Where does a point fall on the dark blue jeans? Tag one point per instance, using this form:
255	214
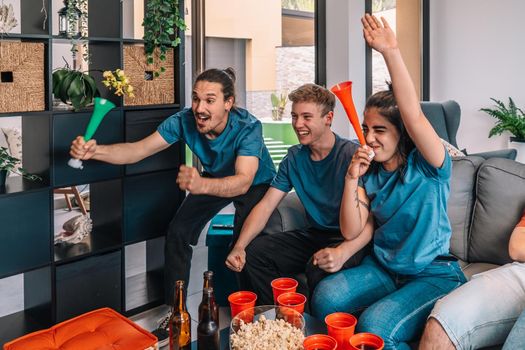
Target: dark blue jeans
393	306
187	224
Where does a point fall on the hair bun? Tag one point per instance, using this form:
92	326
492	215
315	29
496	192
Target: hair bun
231	73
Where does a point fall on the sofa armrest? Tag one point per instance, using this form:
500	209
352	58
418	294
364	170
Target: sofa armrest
508	153
288	216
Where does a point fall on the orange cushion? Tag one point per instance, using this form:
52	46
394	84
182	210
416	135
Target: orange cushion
99	329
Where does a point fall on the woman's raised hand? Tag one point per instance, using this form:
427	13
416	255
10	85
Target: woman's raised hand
360	162
378	34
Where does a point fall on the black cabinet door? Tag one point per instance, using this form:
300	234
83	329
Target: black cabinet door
24	231
88	284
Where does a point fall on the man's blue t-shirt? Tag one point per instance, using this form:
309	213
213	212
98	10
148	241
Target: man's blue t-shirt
412	226
242	136
319	184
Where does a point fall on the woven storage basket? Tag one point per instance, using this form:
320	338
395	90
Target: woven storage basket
159	90
24	63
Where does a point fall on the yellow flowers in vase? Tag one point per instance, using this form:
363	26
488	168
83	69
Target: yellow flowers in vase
118	81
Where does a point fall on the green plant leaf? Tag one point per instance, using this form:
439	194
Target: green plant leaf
64	86
509	118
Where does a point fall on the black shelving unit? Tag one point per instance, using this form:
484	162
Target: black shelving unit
130	205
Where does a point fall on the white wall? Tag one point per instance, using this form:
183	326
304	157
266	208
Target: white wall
477	51
345	57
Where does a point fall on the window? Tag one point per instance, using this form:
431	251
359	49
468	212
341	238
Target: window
271	46
405	18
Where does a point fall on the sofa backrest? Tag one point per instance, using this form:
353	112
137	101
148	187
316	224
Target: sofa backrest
461	202
444	117
500	200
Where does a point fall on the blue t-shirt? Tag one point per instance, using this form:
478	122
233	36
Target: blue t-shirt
319	184
242	136
412	226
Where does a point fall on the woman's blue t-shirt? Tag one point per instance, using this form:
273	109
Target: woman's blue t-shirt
412	226
242	136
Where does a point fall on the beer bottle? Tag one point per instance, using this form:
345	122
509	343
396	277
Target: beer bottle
180	322
208	283
208	328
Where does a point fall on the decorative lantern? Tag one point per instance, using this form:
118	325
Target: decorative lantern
69	19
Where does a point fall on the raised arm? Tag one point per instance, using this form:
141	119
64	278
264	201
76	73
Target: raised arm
354	212
246	167
119	153
254	224
517	241
380	37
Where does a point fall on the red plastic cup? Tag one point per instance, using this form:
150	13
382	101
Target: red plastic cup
283	285
292	300
319	342
366	341
240	301
341	326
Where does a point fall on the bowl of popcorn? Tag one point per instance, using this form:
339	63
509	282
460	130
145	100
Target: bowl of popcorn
267	327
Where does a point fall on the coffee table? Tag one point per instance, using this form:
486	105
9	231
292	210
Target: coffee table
313	326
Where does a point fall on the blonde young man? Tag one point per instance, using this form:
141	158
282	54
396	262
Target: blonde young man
316	169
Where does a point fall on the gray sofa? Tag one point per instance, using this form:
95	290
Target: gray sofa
486	200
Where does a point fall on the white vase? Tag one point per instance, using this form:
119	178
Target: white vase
518	145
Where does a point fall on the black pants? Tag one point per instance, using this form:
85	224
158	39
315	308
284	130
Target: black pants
287	254
187	224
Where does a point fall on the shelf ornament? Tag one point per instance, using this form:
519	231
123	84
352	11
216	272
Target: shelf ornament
7	18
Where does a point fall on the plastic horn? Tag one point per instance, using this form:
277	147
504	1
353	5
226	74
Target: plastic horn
343	91
102	107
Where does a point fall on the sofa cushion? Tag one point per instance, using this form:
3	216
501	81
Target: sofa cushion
461	201
470	269
99	329
289	215
500	199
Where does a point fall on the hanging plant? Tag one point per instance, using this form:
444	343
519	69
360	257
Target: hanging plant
163	26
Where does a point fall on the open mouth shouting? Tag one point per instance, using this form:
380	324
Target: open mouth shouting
201	119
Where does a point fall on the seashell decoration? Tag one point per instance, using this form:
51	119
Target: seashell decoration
7	18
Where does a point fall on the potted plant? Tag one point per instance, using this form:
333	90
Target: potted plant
79	88
162	25
512	119
74	87
278	105
10	164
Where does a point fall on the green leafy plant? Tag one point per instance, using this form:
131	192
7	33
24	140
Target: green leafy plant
11	164
509	118
75	87
162	26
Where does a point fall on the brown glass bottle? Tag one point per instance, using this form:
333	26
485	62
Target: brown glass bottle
180	322
208	328
208	283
